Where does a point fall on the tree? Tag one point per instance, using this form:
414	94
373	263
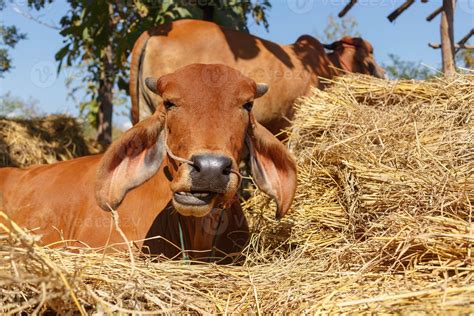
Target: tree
447	38
11	106
233	13
465	57
402	69
101	34
9	37
338	28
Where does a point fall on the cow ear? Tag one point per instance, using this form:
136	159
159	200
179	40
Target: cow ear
346	40
273	167
131	160
332	46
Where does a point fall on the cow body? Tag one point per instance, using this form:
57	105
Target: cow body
57	202
172	178
290	70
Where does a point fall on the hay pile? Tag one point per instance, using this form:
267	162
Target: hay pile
24	142
382	222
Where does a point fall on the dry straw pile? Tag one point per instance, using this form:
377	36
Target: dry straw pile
382	222
25	142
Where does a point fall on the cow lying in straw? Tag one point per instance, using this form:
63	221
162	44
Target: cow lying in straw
173	175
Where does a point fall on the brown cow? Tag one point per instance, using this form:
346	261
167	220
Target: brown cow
174	171
291	70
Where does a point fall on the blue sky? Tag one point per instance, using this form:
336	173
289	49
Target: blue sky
34	73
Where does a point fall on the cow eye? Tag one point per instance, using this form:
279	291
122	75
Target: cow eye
168	104
248	106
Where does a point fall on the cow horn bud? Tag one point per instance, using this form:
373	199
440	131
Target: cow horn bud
152	84
262	88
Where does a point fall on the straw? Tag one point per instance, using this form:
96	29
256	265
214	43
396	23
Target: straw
382	222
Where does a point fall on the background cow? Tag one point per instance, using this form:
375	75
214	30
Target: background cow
174	171
291	70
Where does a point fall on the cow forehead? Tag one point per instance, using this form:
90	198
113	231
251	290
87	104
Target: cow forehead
207	83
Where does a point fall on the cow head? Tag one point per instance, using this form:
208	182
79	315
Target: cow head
197	136
354	54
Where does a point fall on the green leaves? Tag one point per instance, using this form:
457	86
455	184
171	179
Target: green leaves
59	56
18	107
9	37
338	28
99	36
402	69
89	110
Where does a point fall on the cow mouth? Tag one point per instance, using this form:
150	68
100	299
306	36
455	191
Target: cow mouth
193	198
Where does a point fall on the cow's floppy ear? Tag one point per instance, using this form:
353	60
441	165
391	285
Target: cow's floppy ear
352	41
346	40
332	46
131	160
273	167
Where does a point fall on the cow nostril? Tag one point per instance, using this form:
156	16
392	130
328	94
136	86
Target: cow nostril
196	167
226	171
198	163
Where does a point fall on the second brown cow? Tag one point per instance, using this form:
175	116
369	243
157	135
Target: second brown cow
290	70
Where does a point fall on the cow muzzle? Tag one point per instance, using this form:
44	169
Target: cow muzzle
211	181
376	71
210	173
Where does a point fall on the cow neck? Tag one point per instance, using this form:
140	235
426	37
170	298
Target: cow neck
181	241
338	62
192	224
222	207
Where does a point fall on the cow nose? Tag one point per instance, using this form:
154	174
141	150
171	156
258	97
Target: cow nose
211	165
210	172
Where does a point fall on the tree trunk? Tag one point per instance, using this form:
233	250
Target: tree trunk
208	11
106	85
105	97
447	38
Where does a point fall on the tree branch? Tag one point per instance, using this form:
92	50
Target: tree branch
347	8
434	14
464	40
33	18
394	15
460	45
457	46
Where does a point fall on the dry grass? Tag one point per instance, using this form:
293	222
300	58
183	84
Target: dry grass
24	142
382	222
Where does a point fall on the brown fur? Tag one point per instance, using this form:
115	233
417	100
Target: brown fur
290	70
138	178
354	54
